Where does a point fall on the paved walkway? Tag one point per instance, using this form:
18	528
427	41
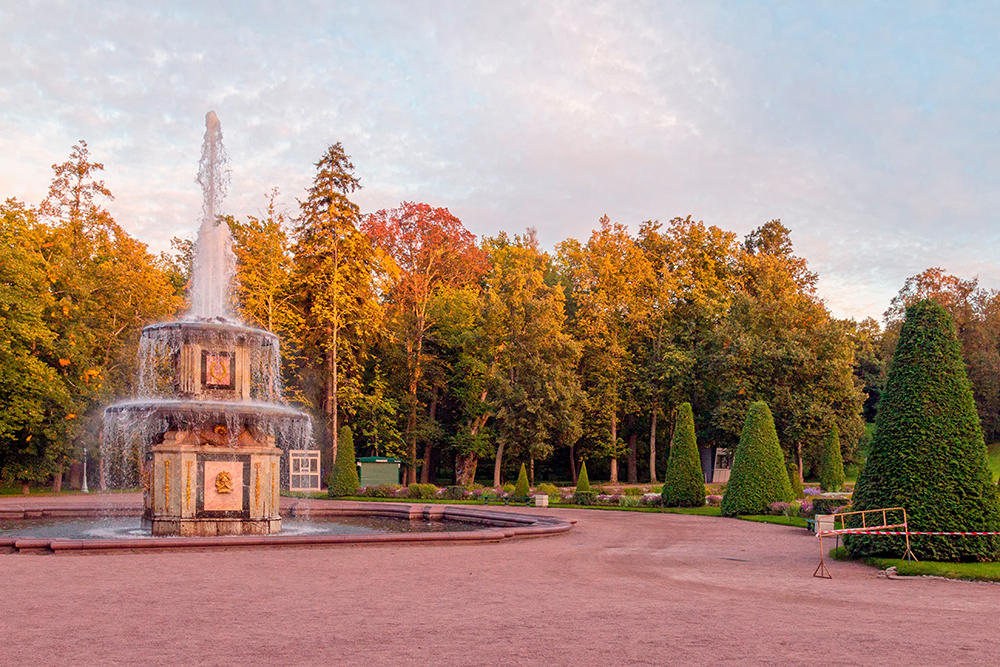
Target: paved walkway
619	589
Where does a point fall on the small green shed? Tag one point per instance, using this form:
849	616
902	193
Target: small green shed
375	470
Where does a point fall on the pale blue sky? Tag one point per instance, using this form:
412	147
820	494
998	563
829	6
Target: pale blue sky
870	129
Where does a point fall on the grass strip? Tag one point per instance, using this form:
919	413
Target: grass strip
904	568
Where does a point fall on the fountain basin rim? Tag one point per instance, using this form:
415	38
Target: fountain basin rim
228	326
498	526
175	407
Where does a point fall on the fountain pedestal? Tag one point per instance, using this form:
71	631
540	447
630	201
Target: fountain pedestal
205	489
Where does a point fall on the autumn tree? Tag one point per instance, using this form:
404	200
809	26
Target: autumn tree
264	269
334	284
535	393
430	249
607	276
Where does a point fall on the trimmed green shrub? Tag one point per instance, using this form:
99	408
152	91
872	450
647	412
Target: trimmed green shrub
550	490
344	480
758	477
585	498
927	454
454	493
831	472
683	481
522	488
508	488
633	491
793	477
583	482
422	491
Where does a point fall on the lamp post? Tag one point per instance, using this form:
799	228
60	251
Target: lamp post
84	486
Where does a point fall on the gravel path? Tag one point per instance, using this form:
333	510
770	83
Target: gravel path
619	589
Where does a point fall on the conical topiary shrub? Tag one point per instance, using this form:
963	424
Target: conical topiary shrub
344	480
928	454
758	477
796	481
684	482
583	482
522	488
583	495
831	476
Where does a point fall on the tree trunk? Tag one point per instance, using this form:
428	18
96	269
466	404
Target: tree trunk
633	473
103	475
572	464
531	470
25	489
57	482
652	449
465	469
496	465
425	471
798	451
614	443
330	398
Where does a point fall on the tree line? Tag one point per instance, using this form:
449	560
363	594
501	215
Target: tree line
462	356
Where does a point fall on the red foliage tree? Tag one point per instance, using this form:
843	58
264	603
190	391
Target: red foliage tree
430	248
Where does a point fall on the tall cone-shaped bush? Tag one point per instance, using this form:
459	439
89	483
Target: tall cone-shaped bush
759	476
344	480
928	454
583	482
522	488
831	476
793	477
683	482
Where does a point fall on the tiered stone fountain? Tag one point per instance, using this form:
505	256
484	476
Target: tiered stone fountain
204	433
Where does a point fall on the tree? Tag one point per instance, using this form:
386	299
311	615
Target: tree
430	248
831	477
344	480
607	277
758	477
34	395
264	269
683	481
334	281
778	343
928	454
534	391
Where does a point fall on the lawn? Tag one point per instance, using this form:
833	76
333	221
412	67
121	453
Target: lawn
968	571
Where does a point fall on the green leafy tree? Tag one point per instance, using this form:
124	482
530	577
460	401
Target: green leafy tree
759	476
683	481
831	477
535	393
344	480
778	344
928	454
522	488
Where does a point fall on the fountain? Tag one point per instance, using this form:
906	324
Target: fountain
206	433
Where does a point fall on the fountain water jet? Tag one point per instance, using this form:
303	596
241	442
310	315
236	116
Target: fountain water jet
206	431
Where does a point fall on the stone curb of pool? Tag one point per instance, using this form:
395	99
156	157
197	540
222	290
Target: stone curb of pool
500	526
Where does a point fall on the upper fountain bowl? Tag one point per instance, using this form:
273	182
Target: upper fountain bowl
212	359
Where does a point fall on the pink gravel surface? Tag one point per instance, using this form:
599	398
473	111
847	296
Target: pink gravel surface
619	589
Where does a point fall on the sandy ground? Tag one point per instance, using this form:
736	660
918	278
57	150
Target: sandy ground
619	589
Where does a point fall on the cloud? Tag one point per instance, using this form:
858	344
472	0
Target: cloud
871	131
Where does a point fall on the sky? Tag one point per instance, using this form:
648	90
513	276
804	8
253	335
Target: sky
869	129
